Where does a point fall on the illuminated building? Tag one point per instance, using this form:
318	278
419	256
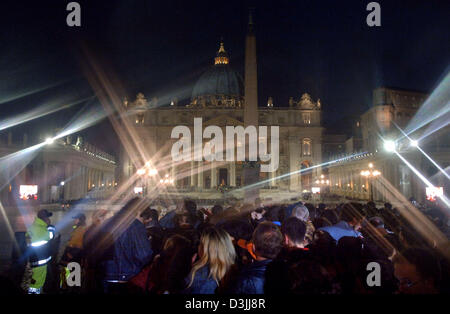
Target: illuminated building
61	171
391	110
222	98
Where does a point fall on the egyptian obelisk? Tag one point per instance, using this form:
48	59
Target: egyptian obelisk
251	168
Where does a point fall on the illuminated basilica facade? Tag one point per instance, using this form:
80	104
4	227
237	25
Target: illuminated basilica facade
218	98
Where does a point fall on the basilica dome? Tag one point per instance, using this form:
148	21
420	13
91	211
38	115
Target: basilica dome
220	85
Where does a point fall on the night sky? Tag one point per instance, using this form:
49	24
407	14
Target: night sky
160	48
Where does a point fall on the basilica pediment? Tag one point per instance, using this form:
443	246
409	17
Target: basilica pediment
223	120
306	102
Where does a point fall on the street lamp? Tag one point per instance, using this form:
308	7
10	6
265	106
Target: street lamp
152	172
370	174
141	171
147	169
389	146
322	185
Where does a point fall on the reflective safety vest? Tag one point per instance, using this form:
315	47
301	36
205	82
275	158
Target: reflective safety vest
51	231
39	246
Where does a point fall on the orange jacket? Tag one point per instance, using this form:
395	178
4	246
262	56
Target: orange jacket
76	239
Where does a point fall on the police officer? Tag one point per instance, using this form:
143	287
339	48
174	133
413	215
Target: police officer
51	285
74	249
40	251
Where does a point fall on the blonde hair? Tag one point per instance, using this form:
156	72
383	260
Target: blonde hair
217	252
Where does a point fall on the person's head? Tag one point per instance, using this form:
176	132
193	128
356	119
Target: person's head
173	264
149	215
353	214
323	245
387	206
313	211
183	221
320	222
190	206
349	251
45	215
267	240
274	213
238	229
258	215
216	209
301	212
418	271
79	220
371	204
175	243
203	214
126	215
331	216
99	216
216	251
376	222
293	230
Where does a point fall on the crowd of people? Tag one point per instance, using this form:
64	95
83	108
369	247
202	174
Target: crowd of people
253	249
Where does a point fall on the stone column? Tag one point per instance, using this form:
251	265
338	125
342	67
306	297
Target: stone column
173	174
78	173
233	173
213	174
294	157
352	184
200	175
272	176
90	180
68	182
94	178
84	182
193	173
74	181
317	155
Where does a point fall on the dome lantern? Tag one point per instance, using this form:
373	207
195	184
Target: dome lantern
222	56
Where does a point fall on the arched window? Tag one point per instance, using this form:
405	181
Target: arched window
306	147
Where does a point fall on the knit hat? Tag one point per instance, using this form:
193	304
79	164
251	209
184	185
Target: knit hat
301	212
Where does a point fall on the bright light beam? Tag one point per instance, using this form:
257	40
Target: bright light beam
39	112
414	217
416	145
425	180
436	125
434	163
8	225
11	165
298	171
30	92
436	105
